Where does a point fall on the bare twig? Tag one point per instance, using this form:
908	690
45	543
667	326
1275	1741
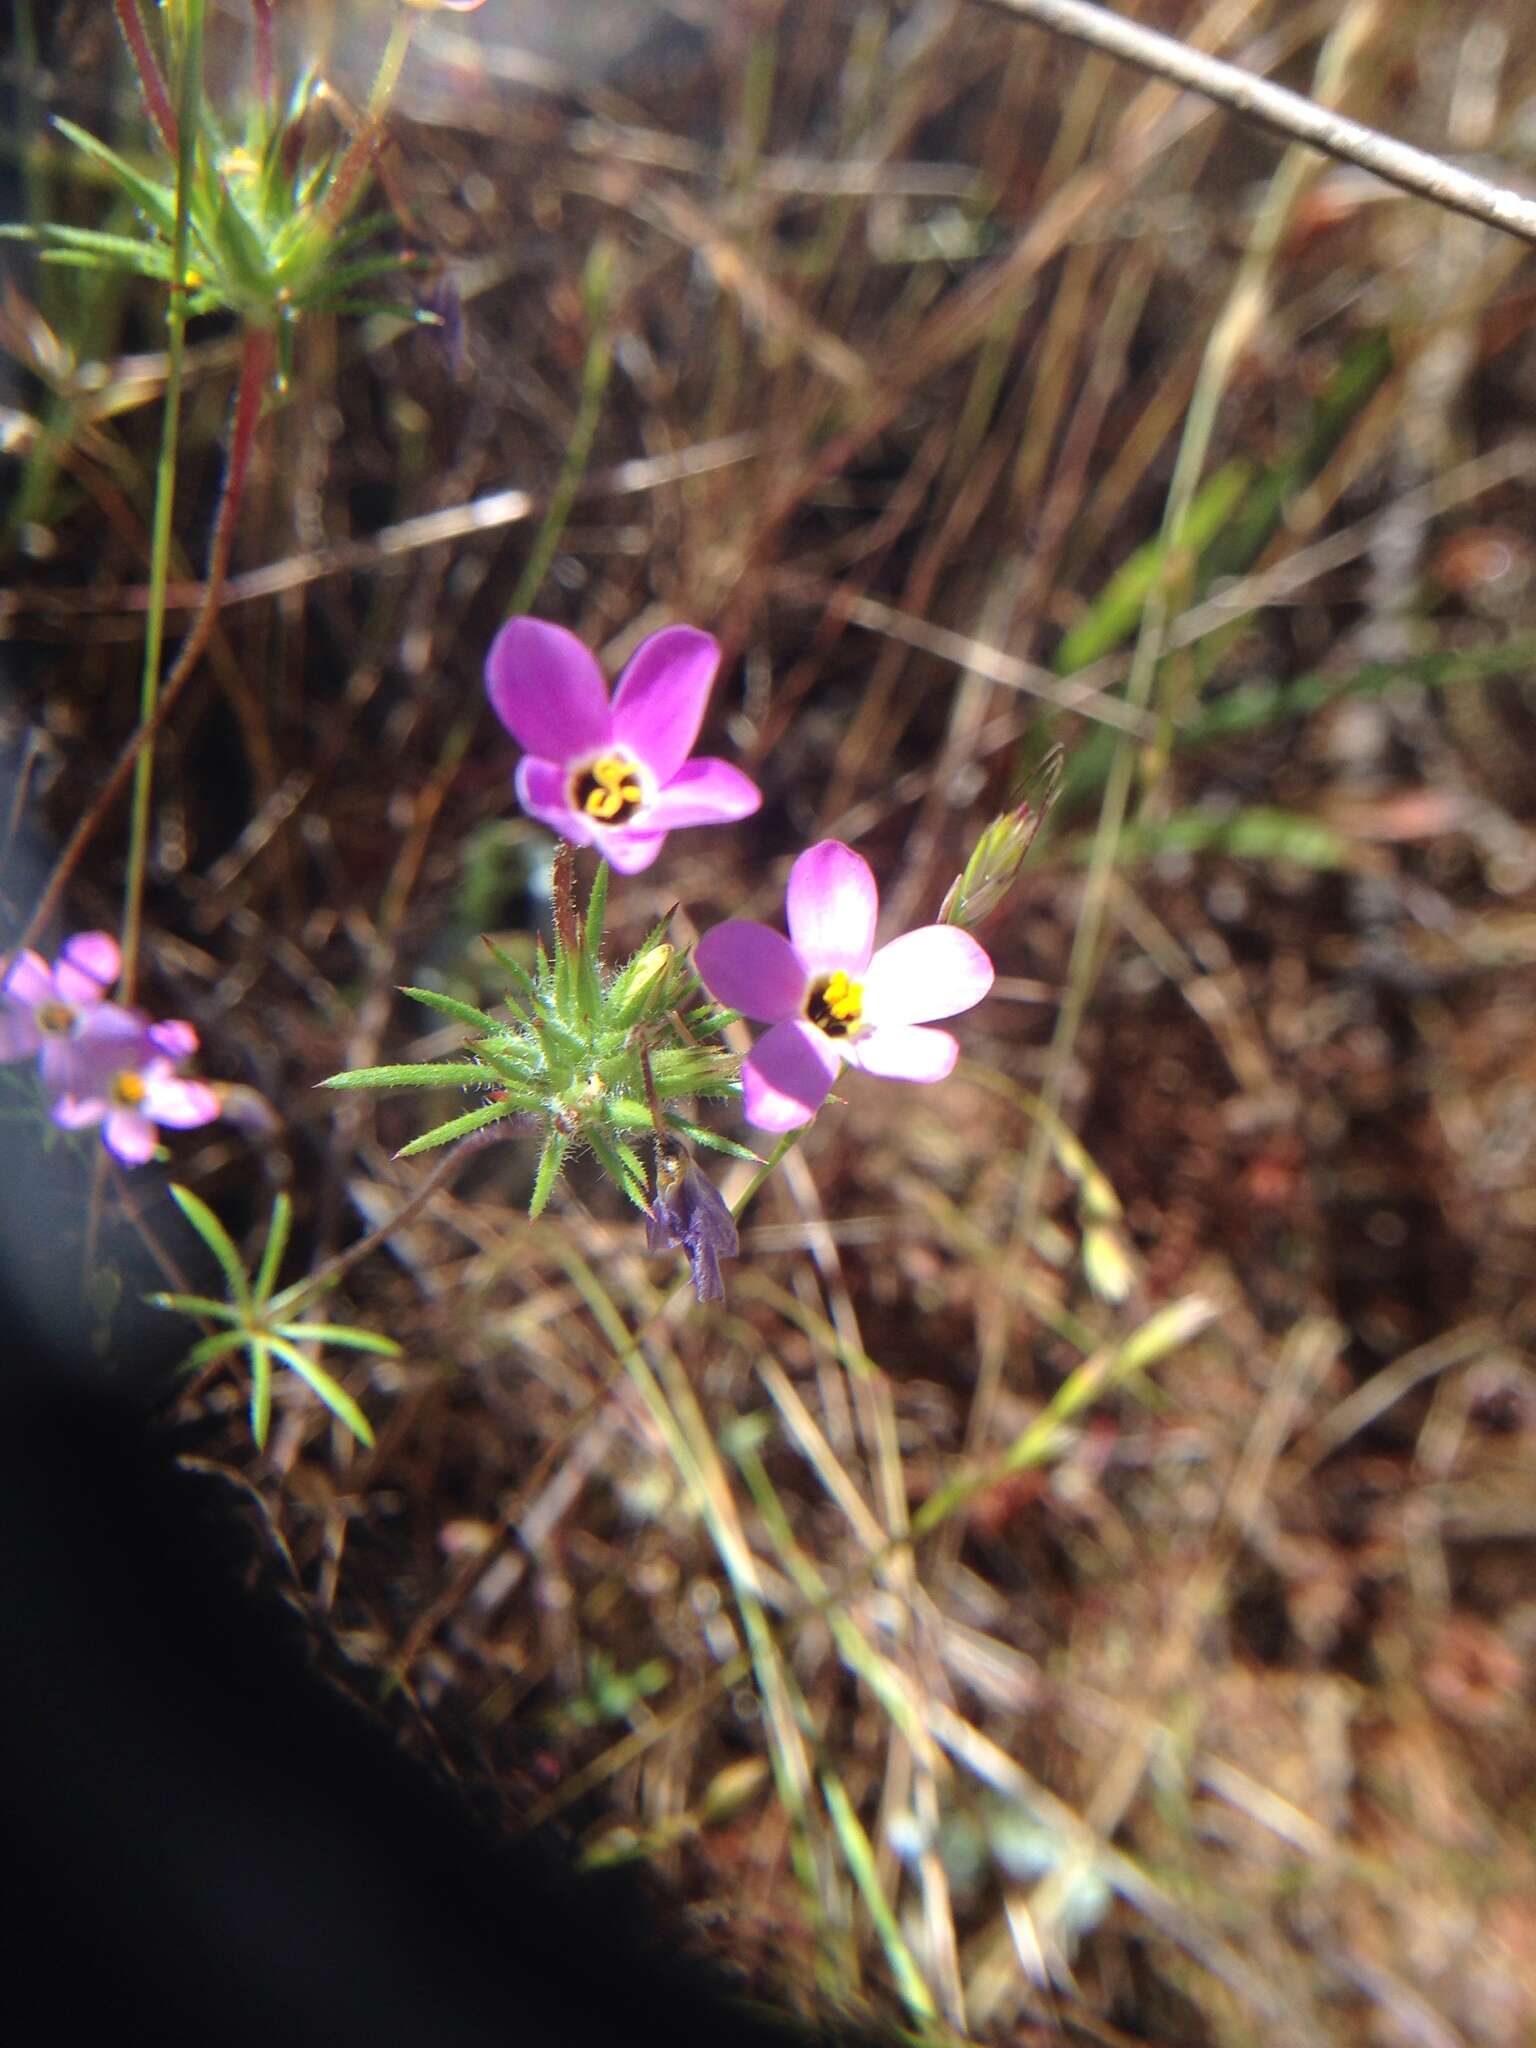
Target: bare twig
488	514
1289	113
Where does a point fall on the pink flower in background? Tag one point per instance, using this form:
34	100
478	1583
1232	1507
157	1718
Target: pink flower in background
615	776
56	1011
135	1087
830	997
101	1063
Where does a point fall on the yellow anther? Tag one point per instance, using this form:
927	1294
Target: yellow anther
607	789
835	1005
128	1090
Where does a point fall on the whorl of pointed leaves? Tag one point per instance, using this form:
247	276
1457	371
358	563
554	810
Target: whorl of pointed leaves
273	228
564	1061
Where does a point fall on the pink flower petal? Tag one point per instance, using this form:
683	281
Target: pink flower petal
19	1036
751	968
936	971
659	704
175	1038
705	792
106	1039
832	904
29	981
75	987
627	851
547	690
130	1136
541	790
93	956
905	1052
180	1105
64	1072
786	1077
77	1112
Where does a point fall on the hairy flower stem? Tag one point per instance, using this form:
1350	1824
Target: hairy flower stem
151	84
255	360
563	889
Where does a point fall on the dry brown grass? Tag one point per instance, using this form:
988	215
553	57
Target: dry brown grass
1210	1722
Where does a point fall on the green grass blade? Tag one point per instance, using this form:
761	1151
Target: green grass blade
219	1345
196	1305
261	1393
1258	834
276	1245
1113	616
217	1239
340	1333
335	1396
860	1859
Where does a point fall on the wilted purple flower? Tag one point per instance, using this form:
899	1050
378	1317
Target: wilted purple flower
445	303
830	996
615	776
133	1085
689	1214
56	1012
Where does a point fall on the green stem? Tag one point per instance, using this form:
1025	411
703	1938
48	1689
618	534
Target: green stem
391	66
189	67
360	150
255	360
598	287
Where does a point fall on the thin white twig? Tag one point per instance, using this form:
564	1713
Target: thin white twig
1289	113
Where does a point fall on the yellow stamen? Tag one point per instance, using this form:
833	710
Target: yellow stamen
128	1091
835	1005
607	789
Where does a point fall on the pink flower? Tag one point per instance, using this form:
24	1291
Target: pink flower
615	776
134	1085
830	996
56	1011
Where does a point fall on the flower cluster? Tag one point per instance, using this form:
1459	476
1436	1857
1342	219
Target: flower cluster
592	1057
100	1062
617	776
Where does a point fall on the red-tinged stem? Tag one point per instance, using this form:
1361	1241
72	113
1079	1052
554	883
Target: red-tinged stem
363	148
564	891
266	69
151	84
255	361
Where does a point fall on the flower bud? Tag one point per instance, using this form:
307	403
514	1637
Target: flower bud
639	983
999	853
